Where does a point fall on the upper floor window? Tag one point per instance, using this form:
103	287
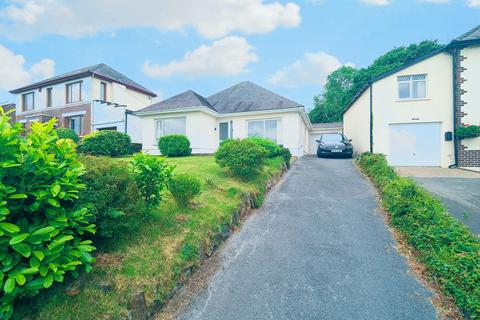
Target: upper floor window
263	129
49	97
74	92
412	87
28	101
103	91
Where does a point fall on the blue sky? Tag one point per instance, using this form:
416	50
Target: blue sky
173	45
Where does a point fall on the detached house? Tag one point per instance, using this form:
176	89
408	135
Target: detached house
85	100
411	113
241	111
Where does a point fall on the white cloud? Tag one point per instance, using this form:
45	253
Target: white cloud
311	69
210	18
227	56
376	2
13	73
473	3
435	1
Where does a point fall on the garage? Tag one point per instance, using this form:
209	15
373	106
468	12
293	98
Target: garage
318	129
415	144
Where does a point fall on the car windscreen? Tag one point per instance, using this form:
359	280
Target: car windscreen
332	137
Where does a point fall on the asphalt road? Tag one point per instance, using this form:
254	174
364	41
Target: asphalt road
460	195
316	250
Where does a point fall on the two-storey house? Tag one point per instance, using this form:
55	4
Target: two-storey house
411	114
85	100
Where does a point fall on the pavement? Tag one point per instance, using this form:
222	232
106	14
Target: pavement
317	249
458	189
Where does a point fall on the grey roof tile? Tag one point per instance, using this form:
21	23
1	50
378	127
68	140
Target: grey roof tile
101	70
473	34
247	96
187	99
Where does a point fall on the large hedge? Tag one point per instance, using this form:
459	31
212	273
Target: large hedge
449	251
42	232
110	193
105	143
244	158
174	145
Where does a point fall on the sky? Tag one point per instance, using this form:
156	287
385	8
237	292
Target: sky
170	46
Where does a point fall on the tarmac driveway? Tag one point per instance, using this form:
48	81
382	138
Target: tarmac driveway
318	249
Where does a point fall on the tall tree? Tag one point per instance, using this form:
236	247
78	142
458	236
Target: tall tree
344	83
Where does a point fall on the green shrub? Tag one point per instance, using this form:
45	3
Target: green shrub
105	143
184	188
244	158
111	192
42	233
272	149
468	132
152	175
135	148
174	145
450	252
67	133
286	156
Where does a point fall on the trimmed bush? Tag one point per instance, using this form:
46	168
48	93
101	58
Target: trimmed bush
449	251
105	143
110	193
174	145
244	158
67	133
135	148
42	231
468	132
184	188
152	175
272	149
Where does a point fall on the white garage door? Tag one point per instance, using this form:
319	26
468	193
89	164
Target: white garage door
415	144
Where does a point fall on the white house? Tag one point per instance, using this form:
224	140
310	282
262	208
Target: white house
411	113
240	111
85	100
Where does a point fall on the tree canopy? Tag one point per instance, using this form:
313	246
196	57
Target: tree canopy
343	84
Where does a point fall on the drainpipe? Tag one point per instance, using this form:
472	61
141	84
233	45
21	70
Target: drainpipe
371	117
454	70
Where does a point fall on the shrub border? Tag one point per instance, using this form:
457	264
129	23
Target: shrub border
384	177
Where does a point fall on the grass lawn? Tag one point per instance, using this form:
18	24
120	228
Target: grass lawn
152	249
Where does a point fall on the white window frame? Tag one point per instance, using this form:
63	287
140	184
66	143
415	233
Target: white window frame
410	86
279	123
230	130
157	136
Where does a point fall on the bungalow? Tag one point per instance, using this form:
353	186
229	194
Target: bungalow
411	114
240	111
85	100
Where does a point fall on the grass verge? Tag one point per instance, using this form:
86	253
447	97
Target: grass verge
156	249
447	249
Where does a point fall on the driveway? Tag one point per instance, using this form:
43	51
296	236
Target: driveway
318	249
458	189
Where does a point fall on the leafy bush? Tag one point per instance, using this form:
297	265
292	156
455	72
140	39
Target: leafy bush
41	230
287	156
152	175
67	133
184	188
174	145
244	158
468	132
135	148
450	252
271	148
105	143
111	192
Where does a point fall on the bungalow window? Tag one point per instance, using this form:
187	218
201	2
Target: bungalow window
264	129
74	92
412	87
225	130
49	97
103	91
167	126
75	123
28	101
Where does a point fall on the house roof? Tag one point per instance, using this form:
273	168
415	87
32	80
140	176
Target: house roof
247	96
327	125
473	34
187	99
100	70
